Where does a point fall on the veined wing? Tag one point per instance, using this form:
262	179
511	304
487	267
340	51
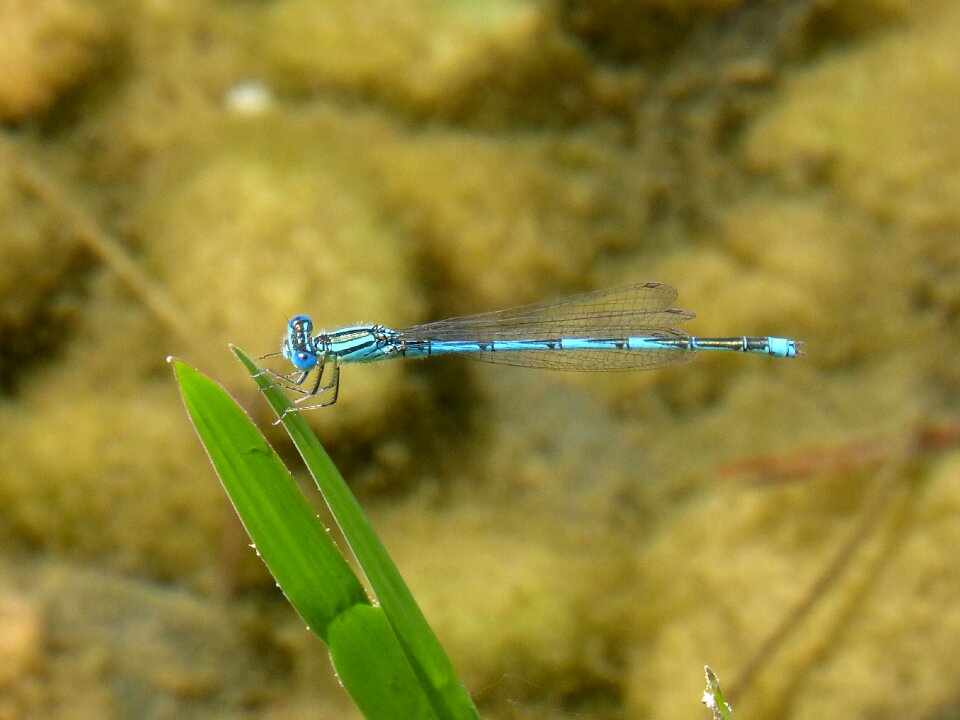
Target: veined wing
630	311
641	310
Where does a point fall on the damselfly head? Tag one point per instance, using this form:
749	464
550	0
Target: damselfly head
298	346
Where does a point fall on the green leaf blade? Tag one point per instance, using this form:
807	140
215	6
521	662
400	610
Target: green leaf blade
433	668
357	635
373	666
284	528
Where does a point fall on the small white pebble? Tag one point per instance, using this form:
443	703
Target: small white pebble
251	97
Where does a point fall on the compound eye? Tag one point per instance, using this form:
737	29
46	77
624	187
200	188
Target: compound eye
301	323
304	361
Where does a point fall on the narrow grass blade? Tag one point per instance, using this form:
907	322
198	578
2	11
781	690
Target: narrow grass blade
447	695
365	652
713	697
315	577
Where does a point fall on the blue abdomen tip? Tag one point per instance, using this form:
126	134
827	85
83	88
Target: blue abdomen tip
782	347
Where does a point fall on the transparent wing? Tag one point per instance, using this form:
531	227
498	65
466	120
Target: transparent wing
589	360
641	310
